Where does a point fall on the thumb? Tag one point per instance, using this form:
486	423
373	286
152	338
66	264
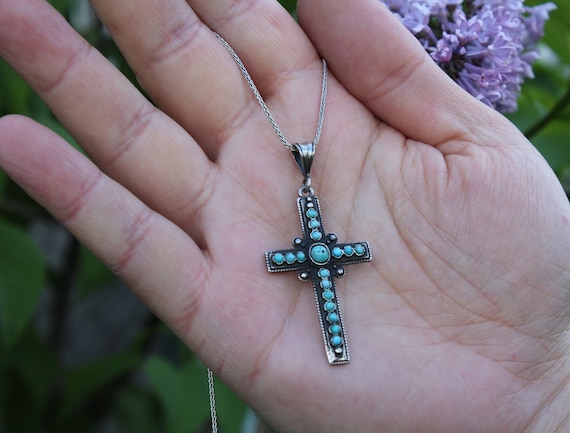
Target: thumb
383	65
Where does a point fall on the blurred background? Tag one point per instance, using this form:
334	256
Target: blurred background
79	353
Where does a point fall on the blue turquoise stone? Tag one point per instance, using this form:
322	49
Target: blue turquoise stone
326	284
334	329
301	257
290	258
312	213
336	341
316	236
337	253
328	295
359	250
314	224
324	273
348	250
333	318
320	253
278	258
330	306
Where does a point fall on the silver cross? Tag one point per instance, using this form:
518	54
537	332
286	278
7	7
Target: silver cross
320	258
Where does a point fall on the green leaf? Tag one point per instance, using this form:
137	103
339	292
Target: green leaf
22	276
27	374
14	92
16	415
565	178
290	5
231	409
182	392
62	5
90	386
30	370
96	375
136	410
3	183
92	273
553	143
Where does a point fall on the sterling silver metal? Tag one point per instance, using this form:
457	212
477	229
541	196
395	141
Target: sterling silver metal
304	153
319	257
212	393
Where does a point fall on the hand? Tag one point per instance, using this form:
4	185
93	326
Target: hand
460	322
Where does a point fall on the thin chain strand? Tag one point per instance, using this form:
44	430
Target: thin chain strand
212	393
263	105
322	106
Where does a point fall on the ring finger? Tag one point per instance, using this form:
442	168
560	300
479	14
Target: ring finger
120	129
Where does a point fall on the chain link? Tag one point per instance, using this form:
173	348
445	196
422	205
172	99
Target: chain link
212	393
263	105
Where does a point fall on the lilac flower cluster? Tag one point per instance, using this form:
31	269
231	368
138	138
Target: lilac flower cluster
487	46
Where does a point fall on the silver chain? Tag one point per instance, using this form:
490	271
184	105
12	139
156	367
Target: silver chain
263	105
212	393
288	145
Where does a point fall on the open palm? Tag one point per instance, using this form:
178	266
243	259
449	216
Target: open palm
458	324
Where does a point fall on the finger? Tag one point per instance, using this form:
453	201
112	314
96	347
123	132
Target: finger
123	133
190	75
278	55
159	262
384	66
180	64
265	36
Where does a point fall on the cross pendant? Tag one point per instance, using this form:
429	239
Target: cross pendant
320	258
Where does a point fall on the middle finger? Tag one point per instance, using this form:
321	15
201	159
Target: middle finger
190	76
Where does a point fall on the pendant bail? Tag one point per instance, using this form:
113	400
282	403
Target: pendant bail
304	153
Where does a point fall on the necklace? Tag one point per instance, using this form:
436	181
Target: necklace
317	255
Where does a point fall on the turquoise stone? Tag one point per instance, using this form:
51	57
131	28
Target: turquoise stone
312	213
320	253
359	250
324	273
336	341
290	258
348	250
326	284
316	236
328	295
333	318
314	224
301	257
330	306
278	258
337	253
334	329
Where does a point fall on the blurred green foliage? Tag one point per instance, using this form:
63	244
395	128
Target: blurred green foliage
152	383
544	105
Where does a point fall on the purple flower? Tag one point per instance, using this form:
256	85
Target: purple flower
486	46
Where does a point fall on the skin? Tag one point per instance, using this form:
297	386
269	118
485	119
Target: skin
459	324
